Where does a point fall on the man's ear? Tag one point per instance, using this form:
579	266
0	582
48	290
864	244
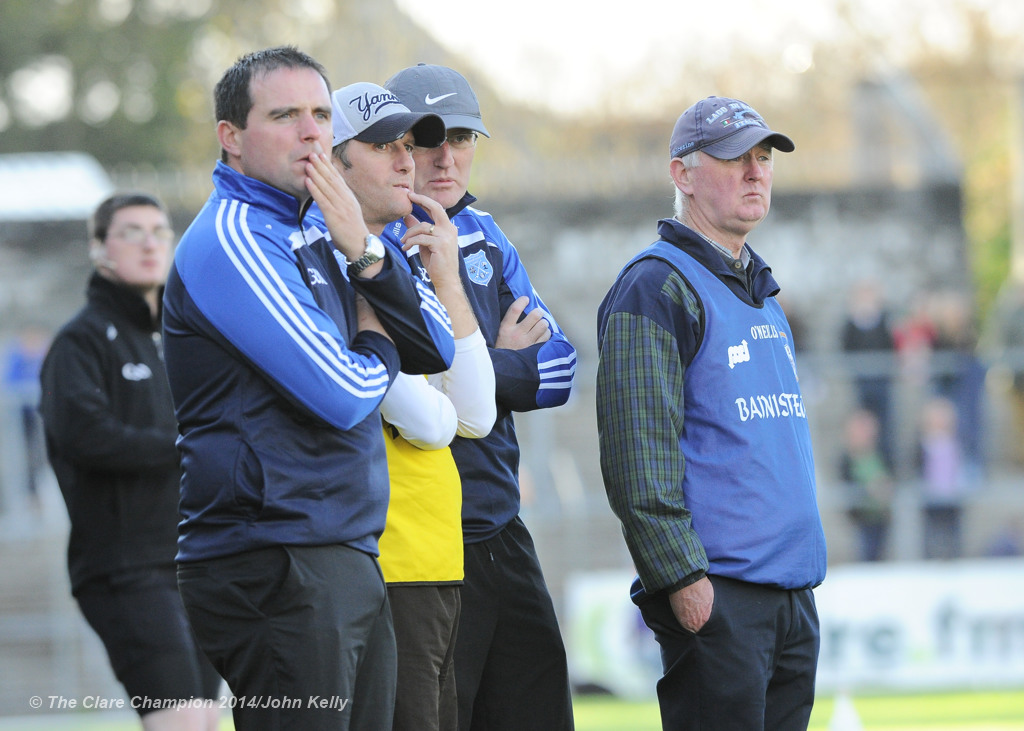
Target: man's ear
681	176
98	257
97	251
230	138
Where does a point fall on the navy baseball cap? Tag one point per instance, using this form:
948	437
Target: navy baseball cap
370	113
723	128
441	90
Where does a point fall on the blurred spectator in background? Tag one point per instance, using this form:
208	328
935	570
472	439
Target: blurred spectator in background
796	316
944	479
1008	540
958	374
867	332
867	482
110	435
21	381
1003	344
914	337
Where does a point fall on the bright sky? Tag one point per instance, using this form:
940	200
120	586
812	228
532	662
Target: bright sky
560	53
563	51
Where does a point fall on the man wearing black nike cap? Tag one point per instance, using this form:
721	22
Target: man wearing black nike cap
705	446
510	663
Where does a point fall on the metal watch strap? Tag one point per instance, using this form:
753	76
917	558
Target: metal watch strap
369	258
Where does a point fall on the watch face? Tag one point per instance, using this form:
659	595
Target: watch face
373	253
374	246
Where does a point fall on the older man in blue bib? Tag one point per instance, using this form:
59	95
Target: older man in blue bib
705	446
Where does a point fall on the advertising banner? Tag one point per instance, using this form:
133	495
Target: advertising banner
899	626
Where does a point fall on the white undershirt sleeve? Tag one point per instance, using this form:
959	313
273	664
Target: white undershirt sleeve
424	416
429	412
469	383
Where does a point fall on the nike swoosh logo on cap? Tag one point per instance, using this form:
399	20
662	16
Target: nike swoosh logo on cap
435	99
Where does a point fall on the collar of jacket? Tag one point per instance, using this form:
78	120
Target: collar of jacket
283	206
467	200
124	301
763	284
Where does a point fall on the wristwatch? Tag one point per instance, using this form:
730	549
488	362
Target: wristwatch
373	253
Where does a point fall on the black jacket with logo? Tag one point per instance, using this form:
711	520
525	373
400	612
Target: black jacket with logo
110	435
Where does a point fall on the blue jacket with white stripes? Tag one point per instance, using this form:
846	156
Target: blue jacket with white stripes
537	377
276	391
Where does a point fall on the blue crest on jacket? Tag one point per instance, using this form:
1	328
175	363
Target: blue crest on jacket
480	270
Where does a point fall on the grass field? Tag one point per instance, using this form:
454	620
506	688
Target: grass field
990	711
996	711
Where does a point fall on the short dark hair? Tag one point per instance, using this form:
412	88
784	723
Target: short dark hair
232	97
338	152
104	213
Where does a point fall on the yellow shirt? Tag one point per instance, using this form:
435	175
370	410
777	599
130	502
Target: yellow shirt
422	540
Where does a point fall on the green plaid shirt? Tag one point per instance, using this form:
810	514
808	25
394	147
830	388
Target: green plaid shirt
640	421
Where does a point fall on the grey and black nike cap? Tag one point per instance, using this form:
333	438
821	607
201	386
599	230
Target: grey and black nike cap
438	90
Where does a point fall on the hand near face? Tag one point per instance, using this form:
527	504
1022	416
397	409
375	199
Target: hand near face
514	334
341	210
438	242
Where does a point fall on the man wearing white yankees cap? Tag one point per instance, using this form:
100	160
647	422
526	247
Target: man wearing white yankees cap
421	552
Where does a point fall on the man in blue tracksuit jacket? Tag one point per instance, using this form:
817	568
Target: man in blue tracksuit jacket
705	446
277	372
510	663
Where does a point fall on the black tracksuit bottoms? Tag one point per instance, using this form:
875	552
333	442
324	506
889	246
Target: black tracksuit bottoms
510	664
